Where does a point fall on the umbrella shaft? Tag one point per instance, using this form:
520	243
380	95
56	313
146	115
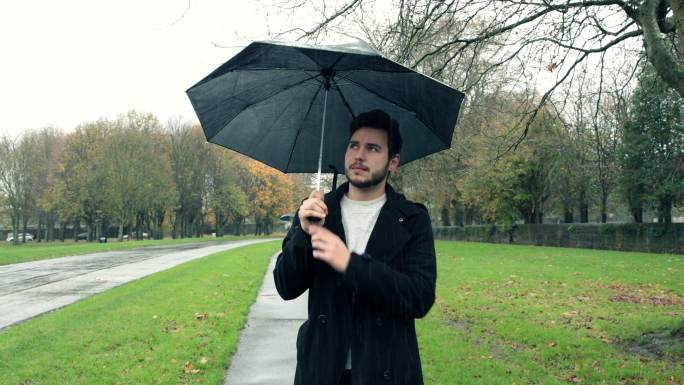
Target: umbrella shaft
320	150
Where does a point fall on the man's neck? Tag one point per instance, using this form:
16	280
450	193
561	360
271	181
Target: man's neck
366	194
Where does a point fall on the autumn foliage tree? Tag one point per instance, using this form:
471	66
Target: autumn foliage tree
271	195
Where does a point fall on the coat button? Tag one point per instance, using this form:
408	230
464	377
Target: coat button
401	220
323	319
387	375
378	321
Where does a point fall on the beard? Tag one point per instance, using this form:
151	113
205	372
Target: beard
375	178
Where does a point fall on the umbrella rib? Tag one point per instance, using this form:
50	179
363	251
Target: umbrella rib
263	100
344	100
294	143
384	98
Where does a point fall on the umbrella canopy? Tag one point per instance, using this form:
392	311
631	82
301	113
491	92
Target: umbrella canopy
269	100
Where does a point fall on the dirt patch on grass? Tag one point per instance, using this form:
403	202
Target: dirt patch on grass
645	295
454	319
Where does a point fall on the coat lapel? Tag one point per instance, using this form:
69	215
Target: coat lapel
389	235
334	220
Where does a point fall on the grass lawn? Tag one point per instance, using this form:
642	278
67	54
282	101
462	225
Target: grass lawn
538	315
32	251
179	326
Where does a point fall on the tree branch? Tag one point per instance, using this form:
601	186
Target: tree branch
345	9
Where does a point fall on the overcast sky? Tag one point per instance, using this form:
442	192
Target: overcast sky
71	61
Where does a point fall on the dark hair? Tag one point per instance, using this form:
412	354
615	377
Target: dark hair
380	120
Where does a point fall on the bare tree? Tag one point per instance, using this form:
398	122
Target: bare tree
14	181
561	33
535	44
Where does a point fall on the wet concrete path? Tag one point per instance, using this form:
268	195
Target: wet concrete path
266	353
32	288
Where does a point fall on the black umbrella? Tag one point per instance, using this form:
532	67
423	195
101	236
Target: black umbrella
282	104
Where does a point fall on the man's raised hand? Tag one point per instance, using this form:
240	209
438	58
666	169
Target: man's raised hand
311	209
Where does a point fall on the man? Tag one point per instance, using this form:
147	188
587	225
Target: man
368	262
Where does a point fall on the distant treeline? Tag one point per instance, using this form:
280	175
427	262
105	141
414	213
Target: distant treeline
137	175
612	157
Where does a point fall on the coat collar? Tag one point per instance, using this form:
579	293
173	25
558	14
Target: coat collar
394	200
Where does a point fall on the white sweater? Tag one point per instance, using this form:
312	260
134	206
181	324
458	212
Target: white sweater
358	220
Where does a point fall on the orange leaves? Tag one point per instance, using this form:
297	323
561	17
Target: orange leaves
272	190
189	368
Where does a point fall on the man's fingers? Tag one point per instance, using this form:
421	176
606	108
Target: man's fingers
321	205
315	204
320	233
317	241
313	213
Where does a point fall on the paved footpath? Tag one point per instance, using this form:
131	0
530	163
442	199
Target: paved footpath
32	288
266	353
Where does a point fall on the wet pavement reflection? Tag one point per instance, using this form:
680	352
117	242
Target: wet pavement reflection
32	288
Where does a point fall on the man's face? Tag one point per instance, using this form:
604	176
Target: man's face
367	160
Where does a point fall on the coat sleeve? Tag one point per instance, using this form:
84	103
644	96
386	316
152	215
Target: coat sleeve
407	291
293	271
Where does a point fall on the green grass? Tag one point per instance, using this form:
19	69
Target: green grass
539	315
179	326
32	251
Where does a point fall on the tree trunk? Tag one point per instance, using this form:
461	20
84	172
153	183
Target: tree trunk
220	223
445	214
62	225
160	221
121	227
540	212
568	215
51	227
584	213
665	210
15	231
469	215
39	237
24	229
659	54
604	206
458	214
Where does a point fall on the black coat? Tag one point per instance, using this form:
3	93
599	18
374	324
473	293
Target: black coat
372	306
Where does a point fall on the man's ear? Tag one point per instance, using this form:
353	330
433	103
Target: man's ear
394	163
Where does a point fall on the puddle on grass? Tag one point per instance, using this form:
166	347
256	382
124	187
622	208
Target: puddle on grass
464	324
654	345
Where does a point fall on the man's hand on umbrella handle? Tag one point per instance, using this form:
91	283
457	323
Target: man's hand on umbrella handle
312	211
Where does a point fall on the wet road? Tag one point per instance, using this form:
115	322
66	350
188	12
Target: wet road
32	288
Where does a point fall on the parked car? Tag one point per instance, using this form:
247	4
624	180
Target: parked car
144	236
27	236
82	236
